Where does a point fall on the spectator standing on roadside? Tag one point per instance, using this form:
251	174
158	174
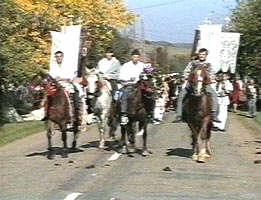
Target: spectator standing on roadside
252	93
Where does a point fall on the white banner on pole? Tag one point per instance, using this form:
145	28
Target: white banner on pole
222	47
228	51
67	41
210	39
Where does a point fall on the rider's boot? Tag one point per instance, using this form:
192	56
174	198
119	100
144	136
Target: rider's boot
124	119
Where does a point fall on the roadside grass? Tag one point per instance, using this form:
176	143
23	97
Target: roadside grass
15	131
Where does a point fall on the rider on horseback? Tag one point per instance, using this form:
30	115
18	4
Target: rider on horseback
110	68
62	74
201	61
129	76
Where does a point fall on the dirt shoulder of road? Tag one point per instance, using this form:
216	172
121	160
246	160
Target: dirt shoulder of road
246	132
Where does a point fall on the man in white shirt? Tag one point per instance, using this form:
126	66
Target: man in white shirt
110	68
129	75
64	75
59	71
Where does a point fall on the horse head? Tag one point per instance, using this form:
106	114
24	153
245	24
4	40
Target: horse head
199	79
92	81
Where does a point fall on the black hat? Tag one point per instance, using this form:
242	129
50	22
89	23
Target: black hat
135	52
109	50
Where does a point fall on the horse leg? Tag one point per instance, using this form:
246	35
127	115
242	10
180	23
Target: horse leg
204	136
49	135
131	130
123	141
195	145
64	139
112	128
102	129
75	135
209	151
51	153
145	151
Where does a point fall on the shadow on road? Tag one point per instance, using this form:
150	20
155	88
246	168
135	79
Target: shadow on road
180	152
109	145
56	151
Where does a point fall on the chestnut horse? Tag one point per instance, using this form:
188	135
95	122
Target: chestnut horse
197	114
62	109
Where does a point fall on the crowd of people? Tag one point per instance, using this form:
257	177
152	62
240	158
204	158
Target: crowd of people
225	90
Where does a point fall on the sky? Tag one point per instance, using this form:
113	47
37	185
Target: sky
176	20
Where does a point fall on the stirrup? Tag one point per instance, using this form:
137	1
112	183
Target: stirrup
124	120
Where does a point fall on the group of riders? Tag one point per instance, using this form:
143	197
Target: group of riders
123	79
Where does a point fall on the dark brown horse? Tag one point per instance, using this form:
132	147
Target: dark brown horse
197	108
140	106
62	110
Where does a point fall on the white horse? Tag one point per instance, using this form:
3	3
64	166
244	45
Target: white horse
100	96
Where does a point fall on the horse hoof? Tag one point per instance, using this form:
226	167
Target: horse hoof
124	150
50	156
201	160
195	157
64	154
145	153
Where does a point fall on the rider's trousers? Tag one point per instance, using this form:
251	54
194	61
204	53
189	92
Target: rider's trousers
126	93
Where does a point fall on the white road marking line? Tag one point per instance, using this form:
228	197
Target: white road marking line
115	156
140	133
72	196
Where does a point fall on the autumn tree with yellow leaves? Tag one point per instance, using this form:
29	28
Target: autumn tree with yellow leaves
26	25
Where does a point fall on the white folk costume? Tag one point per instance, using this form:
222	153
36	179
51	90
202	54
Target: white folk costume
131	72
110	68
223	89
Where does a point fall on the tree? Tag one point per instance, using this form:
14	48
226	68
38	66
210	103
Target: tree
246	19
25	25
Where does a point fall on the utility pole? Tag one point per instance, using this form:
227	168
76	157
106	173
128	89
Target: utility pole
143	39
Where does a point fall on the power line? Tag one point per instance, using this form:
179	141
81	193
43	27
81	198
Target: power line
158	5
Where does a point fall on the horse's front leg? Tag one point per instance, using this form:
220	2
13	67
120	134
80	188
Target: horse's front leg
195	145
102	129
63	128
75	135
204	136
145	151
123	142
49	134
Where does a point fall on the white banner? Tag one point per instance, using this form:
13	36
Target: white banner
222	47
67	41
210	39
228	51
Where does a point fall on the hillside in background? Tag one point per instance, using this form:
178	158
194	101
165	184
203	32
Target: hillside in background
167	56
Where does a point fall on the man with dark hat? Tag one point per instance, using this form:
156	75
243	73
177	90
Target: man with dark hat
129	75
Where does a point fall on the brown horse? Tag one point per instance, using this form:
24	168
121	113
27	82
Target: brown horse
197	108
140	106
62	110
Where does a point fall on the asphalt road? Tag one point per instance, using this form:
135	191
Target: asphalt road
233	173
